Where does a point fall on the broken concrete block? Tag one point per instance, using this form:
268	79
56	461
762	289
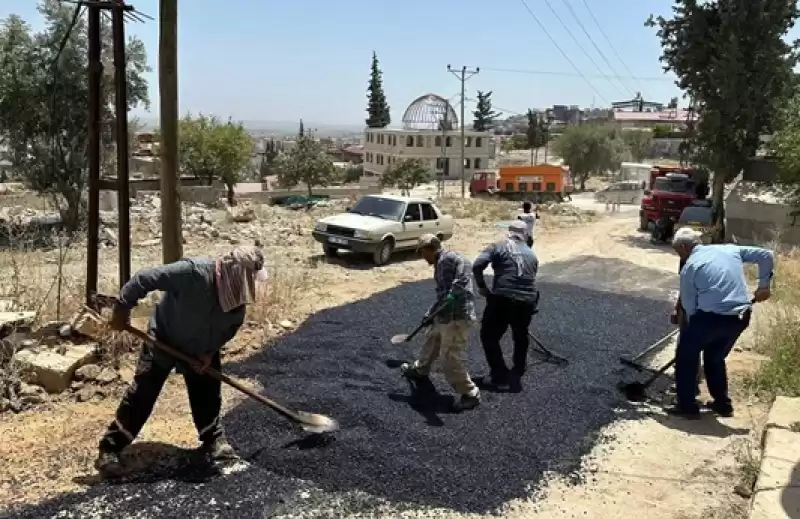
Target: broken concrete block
54	371
88	372
781	503
16	318
783	413
781	456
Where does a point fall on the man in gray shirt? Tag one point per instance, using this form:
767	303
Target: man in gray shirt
511	302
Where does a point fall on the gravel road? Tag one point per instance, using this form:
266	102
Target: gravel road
397	453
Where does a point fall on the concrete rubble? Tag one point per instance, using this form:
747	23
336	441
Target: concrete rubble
777	490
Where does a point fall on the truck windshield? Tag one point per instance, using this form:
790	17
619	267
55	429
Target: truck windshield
700	215
385	208
673	185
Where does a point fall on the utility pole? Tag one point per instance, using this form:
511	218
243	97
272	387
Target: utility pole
123	157
172	244
95	81
463	75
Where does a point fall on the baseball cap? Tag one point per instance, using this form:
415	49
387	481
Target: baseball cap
429	241
518	230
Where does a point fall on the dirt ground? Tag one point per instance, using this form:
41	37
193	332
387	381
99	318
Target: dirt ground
652	466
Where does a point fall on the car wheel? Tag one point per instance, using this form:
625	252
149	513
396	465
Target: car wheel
383	253
330	252
643	224
600	199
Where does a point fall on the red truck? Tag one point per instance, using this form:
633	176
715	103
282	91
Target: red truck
671	189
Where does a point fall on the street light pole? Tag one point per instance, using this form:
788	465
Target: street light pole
463	75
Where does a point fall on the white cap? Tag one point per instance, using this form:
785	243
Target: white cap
517	230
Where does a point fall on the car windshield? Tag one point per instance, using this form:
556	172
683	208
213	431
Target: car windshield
673	186
697	215
385	208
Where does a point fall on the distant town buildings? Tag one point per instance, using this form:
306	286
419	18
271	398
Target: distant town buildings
430	133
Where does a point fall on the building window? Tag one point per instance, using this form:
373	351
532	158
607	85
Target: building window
478	142
551	186
440	163
448	142
419	141
510	186
477	163
523	187
409	142
536	186
468	142
437	142
466	163
394	140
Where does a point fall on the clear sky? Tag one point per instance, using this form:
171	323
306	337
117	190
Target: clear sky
281	61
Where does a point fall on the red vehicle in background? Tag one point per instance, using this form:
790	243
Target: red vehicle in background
670	190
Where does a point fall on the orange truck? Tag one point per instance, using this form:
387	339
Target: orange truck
536	184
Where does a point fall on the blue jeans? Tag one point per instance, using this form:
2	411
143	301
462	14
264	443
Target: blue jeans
713	336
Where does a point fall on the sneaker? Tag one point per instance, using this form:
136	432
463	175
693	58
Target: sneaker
688	414
411	372
467	402
725	411
219	450
109	465
515	384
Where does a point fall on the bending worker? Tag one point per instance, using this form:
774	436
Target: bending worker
449	330
511	302
202	308
714	298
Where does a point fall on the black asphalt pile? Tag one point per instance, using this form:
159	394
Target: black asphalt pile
414	451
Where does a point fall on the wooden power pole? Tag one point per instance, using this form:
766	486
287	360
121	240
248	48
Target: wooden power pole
172	240
463	75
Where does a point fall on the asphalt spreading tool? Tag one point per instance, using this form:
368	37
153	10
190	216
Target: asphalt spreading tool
310	422
548	354
406	337
637	391
634	361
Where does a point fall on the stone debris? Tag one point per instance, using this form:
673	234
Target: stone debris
51	369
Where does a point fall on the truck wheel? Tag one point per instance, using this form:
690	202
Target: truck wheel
330	252
643	223
383	253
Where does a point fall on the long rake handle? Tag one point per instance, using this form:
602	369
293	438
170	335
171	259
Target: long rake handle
213	373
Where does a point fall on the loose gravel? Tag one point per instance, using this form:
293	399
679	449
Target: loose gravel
396	453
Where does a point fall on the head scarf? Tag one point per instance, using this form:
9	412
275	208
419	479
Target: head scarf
237	273
517	230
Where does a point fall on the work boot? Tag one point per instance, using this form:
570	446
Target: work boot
467	402
219	450
411	372
725	411
109	465
683	412
515	383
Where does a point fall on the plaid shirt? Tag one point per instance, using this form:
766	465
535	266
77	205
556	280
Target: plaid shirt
453	275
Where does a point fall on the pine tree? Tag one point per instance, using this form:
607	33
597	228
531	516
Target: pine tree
377	107
484	115
302	132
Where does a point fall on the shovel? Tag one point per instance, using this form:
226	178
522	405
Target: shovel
311	422
637	391
406	337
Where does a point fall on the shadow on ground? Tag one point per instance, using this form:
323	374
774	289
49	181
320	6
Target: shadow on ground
406	448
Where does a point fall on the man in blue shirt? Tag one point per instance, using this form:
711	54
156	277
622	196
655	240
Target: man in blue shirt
511	302
714	298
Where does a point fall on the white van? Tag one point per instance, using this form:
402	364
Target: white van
626	192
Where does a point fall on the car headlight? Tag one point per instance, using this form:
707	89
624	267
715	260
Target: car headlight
361	234
321	227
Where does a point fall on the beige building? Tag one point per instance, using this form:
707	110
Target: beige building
424	137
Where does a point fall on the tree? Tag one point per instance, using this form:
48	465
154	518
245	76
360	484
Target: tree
484	115
213	150
302	131
673	103
406	175
589	150
638	142
785	143
536	132
268	156
377	107
308	163
44	102
516	142
730	57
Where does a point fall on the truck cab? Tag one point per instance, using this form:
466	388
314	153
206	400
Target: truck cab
670	190
483	182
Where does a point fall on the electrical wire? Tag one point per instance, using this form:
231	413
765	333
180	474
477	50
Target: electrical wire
581	47
572	74
564	54
611	45
594	44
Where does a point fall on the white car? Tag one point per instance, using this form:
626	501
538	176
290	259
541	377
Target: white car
382	224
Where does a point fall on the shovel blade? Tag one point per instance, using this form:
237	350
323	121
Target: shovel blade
634	391
400	338
317	423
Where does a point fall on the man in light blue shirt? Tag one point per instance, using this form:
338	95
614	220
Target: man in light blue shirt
717	306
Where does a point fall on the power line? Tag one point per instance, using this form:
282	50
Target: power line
564	54
611	45
585	53
572	74
591	40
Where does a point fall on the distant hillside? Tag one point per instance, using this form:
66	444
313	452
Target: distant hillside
279	128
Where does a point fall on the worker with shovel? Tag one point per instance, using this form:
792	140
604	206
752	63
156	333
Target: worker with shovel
714	298
511	302
202	308
452	316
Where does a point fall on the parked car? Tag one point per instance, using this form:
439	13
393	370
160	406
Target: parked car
379	225
625	192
